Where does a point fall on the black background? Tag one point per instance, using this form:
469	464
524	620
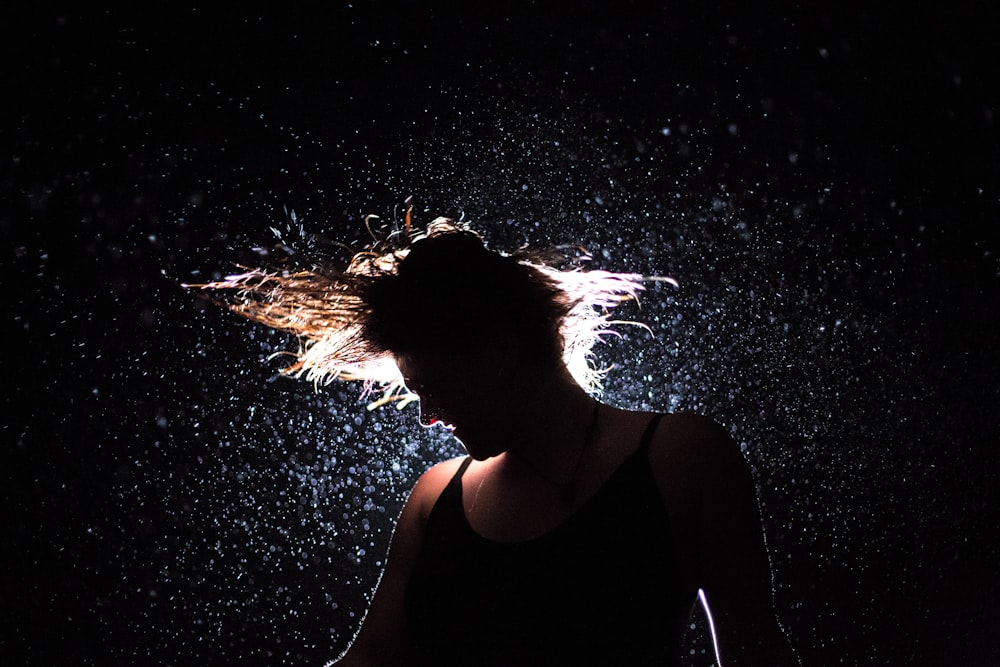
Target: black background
823	183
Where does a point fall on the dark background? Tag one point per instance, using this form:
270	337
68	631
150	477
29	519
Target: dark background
822	184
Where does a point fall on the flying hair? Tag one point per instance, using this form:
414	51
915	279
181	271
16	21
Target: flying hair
442	288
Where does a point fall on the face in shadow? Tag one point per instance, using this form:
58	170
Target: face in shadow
467	392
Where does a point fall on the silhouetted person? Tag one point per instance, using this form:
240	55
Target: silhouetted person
574	533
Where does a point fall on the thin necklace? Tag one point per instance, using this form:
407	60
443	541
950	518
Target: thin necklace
567	490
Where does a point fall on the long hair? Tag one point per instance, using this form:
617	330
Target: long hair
442	288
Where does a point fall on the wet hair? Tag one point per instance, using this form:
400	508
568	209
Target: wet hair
451	292
443	290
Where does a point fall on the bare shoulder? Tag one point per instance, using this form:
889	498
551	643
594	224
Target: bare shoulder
688	432
430	485
693	447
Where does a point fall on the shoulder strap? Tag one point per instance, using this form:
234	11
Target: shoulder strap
461	469
456	479
647	436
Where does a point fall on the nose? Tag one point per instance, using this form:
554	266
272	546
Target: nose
429	415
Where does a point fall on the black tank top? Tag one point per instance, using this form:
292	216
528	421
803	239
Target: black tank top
599	589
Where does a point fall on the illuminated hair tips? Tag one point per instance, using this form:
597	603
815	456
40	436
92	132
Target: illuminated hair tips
444	290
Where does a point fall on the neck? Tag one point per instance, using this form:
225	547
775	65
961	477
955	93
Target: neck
553	423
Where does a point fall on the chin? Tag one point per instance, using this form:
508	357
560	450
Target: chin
478	453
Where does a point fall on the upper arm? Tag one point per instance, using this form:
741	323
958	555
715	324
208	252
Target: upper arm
727	553
733	563
381	640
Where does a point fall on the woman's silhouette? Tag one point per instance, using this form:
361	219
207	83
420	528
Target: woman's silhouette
574	533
